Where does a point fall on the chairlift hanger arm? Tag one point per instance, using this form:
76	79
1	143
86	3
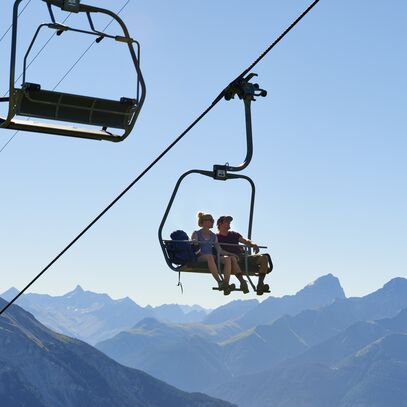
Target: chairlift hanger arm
246	91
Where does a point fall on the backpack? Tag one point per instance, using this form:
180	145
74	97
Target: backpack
181	253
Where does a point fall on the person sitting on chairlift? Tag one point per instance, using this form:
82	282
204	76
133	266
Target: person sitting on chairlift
208	242
232	248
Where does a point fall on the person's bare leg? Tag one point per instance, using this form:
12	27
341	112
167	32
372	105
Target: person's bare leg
236	270
211	266
263	265
227	268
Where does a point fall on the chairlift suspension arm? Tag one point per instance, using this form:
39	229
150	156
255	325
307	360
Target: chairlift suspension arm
246	91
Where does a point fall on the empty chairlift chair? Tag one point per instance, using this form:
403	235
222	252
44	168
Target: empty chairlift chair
31	101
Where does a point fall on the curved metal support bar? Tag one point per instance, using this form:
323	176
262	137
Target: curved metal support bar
5	122
210	174
30	48
249	138
247	92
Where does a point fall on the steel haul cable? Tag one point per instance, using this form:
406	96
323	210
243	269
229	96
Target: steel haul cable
159	157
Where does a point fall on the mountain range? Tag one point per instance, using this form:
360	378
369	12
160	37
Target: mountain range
313	348
314	341
93	317
365	365
166	350
40	368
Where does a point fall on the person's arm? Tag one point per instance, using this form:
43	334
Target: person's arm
196	248
249	243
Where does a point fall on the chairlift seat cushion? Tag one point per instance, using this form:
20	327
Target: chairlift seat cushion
32	101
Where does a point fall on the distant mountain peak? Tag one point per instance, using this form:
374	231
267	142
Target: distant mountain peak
10	293
326	279
329	284
78	289
395	283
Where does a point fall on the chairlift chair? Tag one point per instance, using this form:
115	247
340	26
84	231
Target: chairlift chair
219	173
245	91
30	100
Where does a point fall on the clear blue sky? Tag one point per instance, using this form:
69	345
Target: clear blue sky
329	162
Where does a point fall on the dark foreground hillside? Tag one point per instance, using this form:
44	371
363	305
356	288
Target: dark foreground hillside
39	368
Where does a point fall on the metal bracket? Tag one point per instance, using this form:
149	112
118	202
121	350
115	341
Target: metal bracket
72	6
244	89
220	172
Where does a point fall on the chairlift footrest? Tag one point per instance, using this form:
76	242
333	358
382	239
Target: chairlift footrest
232	287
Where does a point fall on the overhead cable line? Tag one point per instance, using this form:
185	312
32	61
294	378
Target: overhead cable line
68	71
11	25
39	52
159	157
29	64
87	49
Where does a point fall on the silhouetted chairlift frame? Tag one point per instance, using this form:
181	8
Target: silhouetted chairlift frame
246	91
31	101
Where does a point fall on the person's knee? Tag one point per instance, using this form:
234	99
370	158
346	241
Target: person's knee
233	260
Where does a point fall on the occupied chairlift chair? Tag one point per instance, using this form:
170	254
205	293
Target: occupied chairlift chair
32	101
245	91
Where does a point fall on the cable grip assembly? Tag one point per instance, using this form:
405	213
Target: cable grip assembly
243	89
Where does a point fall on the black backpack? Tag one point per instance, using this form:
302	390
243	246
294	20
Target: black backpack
181	253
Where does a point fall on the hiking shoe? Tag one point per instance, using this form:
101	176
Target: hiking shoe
262	288
227	290
222	285
244	287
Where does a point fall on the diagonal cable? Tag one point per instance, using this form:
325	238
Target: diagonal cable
39	51
11	25
153	163
87	49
